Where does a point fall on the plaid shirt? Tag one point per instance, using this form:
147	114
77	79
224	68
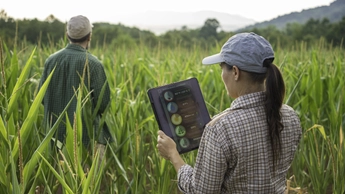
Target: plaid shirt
235	153
70	62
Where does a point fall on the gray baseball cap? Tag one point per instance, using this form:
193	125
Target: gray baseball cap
245	50
78	27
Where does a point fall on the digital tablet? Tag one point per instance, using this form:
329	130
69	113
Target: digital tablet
181	112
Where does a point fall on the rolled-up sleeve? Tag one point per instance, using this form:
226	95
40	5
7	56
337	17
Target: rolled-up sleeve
208	174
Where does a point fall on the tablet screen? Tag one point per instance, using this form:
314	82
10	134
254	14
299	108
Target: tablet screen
181	112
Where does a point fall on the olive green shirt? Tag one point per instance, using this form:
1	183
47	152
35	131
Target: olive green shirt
70	64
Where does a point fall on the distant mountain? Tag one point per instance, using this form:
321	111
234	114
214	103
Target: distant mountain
160	22
334	12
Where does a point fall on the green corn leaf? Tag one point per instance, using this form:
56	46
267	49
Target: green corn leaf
31	164
21	80
26	128
122	169
321	130
69	146
79	132
91	174
2	171
3	131
14	178
56	174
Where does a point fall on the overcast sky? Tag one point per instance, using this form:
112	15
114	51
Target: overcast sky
113	11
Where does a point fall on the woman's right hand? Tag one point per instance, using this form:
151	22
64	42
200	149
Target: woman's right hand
166	146
167	149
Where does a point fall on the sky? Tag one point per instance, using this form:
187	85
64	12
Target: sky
113	11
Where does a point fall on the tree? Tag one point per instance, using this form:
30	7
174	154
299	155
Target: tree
51	18
337	37
209	30
3	15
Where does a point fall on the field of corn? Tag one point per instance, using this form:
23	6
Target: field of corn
314	80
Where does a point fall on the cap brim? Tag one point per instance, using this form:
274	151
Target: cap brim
213	59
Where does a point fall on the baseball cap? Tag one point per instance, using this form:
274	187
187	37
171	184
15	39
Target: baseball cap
245	50
78	27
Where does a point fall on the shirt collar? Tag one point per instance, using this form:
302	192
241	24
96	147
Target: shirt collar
248	101
76	47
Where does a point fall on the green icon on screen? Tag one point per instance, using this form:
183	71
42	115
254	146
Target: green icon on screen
184	142
180	131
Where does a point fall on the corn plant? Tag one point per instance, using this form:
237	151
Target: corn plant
315	89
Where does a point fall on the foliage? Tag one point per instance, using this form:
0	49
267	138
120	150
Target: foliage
315	89
333	12
52	31
209	30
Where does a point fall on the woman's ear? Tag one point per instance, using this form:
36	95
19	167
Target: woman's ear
236	72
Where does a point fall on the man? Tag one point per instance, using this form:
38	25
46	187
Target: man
75	66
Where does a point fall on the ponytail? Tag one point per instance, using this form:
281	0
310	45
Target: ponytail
275	93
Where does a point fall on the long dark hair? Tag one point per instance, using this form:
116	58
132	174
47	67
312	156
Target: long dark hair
275	93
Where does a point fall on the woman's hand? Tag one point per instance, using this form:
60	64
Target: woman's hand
167	149
166	146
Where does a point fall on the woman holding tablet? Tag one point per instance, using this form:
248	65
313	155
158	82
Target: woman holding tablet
249	147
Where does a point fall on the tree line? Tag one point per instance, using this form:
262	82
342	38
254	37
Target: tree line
51	30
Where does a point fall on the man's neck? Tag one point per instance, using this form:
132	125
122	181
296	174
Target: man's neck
82	44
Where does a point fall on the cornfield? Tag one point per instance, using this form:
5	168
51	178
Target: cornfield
315	89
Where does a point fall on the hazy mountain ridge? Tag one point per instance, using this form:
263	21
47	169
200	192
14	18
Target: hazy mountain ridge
160	22
334	12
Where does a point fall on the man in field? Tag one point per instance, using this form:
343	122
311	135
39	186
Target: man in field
75	66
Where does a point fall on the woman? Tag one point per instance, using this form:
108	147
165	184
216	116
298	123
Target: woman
249	147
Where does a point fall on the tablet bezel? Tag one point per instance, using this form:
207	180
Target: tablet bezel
164	125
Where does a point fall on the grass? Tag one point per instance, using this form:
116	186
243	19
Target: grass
315	89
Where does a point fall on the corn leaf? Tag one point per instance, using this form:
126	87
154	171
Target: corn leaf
26	128
56	174
21	80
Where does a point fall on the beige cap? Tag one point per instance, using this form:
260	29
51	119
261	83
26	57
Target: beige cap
78	27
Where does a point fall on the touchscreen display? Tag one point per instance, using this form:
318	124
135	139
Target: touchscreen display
184	114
